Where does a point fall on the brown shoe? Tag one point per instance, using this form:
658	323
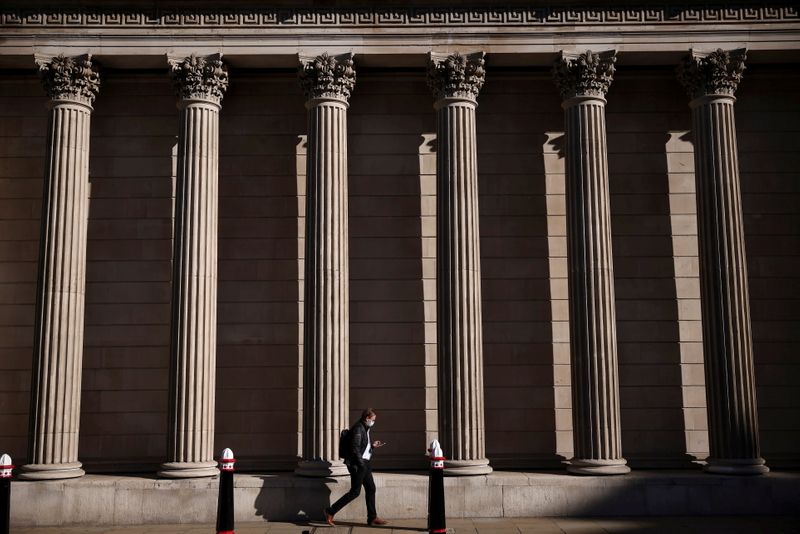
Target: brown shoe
377	521
328	517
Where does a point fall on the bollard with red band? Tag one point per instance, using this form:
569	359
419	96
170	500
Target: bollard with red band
436	521
6	468
225	503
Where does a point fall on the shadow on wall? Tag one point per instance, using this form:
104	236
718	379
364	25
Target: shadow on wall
515	273
768	137
292	498
128	279
647	241
258	310
387	249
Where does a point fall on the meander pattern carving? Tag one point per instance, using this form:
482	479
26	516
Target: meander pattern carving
686	13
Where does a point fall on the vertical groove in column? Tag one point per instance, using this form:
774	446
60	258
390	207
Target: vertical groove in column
595	388
727	336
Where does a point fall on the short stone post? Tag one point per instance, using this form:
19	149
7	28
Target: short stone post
6	468
225	501
436	513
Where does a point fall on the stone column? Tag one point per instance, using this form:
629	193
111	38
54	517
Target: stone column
327	82
711	79
72	84
456	81
583	80
200	83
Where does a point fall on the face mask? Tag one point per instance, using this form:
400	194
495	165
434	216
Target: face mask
369	423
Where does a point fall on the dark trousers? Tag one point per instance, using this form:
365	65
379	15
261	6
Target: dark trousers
359	476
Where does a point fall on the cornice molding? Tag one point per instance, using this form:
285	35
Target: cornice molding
266	17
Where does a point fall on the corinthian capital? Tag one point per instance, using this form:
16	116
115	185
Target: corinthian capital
327	76
70	78
199	77
456	76
712	73
586	74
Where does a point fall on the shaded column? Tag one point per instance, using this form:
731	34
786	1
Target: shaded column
200	83
327	82
711	80
583	80
456	81
72	84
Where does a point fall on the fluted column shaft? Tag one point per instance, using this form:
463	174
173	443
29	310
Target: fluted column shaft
458	264
727	338
326	360
194	284
593	339
58	331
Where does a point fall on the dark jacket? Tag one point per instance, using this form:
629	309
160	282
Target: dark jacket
358	443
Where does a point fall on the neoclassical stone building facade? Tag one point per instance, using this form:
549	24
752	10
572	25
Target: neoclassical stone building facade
543	235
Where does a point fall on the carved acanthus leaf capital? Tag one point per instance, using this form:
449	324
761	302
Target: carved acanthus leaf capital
712	73
326	76
456	75
70	78
588	74
199	77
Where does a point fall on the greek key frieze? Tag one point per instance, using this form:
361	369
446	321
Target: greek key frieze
412	16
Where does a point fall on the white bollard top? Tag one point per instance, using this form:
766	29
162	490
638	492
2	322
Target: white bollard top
436	454
226	460
5	466
435	450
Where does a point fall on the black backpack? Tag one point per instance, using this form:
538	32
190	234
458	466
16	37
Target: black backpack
345	438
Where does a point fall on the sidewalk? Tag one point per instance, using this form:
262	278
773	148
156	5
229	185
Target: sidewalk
539	525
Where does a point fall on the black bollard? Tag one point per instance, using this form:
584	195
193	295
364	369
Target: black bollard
225	502
5	493
436	521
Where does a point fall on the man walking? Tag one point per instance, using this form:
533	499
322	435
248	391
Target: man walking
357	459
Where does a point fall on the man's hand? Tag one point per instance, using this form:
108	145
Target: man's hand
378	444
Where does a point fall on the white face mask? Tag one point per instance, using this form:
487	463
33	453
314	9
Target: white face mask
369	422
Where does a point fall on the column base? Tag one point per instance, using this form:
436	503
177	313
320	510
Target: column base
188	469
321	469
51	471
458	468
736	466
579	466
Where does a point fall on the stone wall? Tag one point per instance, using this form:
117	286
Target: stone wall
392	243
